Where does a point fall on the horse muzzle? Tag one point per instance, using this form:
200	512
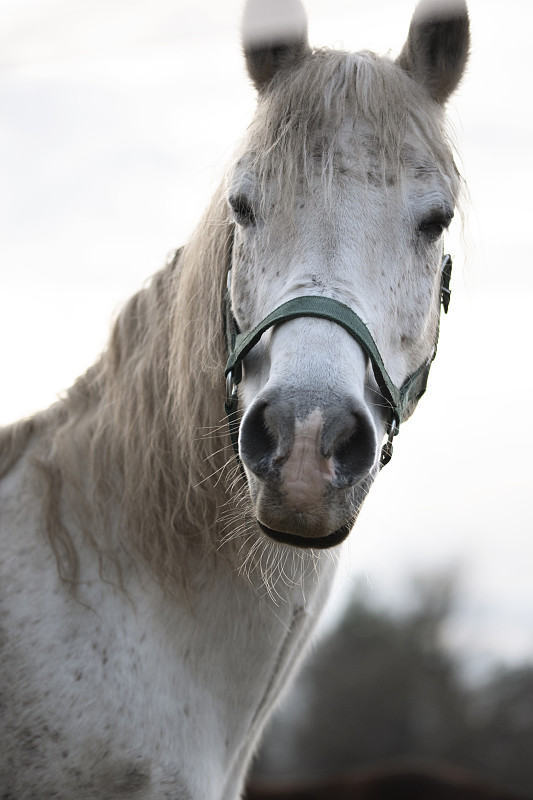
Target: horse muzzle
305	471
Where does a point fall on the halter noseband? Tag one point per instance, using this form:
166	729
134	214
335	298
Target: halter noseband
239	345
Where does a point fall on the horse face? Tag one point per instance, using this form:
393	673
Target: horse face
357	219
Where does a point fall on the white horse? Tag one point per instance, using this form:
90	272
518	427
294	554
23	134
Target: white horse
156	591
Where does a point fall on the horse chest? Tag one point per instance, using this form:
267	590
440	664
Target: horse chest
131	695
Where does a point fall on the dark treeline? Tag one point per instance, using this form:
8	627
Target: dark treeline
383	688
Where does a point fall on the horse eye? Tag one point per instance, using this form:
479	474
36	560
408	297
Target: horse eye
242	209
434	226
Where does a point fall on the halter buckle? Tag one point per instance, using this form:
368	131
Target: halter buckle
386	450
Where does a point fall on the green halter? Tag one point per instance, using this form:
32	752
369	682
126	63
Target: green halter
240	344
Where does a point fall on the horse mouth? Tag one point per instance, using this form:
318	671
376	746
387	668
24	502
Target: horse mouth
308	542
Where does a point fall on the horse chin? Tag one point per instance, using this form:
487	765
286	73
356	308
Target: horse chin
308	542
325	525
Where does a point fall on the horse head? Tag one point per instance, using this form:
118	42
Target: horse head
343	189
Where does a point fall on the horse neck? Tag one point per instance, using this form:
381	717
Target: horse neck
127	449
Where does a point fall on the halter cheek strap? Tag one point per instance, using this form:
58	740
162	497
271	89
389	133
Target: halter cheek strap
240	344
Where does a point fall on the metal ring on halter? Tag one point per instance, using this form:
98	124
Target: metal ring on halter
231	390
445	291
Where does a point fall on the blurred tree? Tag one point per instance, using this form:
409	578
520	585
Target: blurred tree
383	686
503	714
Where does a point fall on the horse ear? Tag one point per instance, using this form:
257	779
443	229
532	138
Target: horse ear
274	35
436	50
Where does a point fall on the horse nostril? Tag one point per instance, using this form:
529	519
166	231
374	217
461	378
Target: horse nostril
354	454
257	443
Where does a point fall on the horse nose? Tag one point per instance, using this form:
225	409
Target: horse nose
265	437
336	444
351	439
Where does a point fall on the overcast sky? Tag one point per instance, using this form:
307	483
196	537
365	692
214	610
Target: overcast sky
116	120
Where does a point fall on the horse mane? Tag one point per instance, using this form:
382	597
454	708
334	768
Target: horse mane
133	427
145	425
